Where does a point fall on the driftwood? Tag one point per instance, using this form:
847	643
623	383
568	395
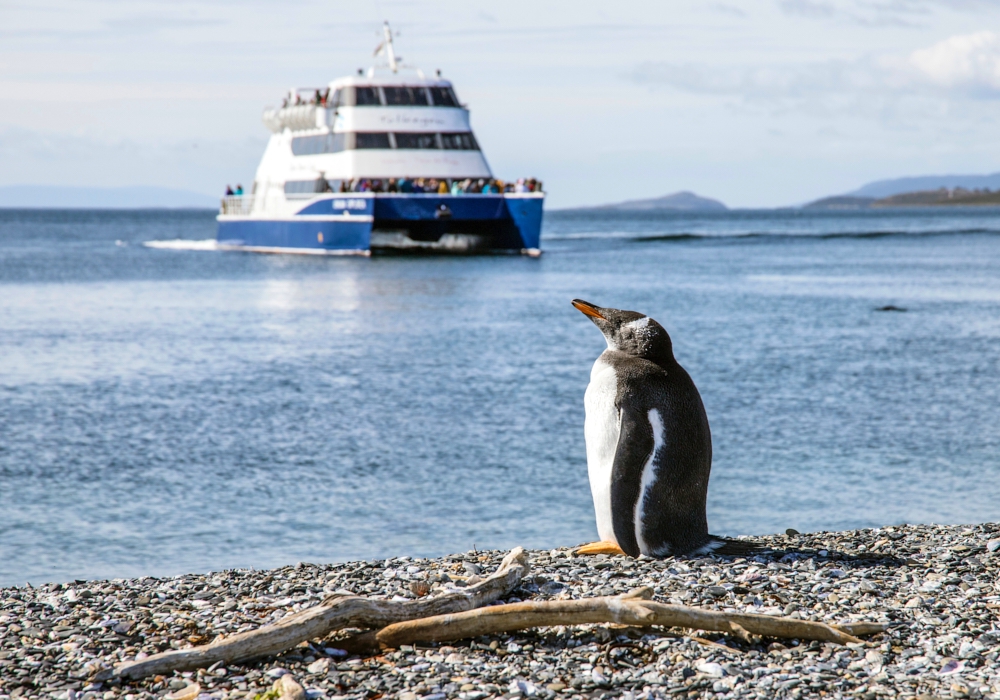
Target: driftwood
334	613
634	609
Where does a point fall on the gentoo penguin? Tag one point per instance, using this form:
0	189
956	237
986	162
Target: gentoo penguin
649	448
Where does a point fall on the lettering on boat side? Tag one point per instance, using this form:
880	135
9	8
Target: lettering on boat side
349	204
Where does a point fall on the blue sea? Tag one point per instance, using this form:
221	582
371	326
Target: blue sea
166	410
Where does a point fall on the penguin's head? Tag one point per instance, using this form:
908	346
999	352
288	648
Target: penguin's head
630	332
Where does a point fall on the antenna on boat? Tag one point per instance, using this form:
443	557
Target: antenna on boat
386	46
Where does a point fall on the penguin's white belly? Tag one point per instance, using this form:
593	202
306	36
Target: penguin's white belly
601	429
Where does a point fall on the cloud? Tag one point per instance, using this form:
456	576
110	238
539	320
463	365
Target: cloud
64	92
961	66
899	13
807	8
727	9
969	62
149	24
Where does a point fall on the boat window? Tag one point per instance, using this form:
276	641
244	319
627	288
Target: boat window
352	95
366	96
404	140
459	142
372	140
403	96
315	145
334	100
309	145
443	97
306	186
335	143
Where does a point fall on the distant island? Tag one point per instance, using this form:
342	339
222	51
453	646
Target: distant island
920	191
929	198
678	201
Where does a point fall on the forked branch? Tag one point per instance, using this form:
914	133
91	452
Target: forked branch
334	613
633	609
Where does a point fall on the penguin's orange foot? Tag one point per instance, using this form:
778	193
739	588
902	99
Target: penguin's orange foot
599	548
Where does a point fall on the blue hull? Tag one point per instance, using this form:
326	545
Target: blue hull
358	224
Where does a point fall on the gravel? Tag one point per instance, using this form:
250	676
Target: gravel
937	586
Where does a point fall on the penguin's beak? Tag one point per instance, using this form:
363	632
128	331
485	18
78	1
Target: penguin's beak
588	309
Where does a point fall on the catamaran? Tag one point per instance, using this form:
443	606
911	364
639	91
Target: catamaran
382	160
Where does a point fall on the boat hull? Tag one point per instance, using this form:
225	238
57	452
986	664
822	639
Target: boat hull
344	224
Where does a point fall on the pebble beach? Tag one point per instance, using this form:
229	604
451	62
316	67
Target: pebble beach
936	586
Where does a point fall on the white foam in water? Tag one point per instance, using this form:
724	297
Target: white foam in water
184	244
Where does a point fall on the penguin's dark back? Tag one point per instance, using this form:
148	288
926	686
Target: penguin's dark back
676	502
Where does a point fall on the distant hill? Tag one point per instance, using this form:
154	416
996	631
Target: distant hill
941	197
926	183
841	202
678	201
139	197
929	198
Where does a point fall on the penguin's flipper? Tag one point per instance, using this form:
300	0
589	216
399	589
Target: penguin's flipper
598	548
636	448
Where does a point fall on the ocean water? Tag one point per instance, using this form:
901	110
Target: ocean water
174	410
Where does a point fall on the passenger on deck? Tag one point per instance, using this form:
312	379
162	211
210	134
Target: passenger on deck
229	191
393	185
442	187
405	185
239	190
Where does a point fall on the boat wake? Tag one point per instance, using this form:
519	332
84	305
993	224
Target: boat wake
184	244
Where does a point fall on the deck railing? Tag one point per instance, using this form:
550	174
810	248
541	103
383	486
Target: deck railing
236	205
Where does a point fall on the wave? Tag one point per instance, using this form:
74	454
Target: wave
184	244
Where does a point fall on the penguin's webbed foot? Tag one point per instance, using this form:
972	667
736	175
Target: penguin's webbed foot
599	548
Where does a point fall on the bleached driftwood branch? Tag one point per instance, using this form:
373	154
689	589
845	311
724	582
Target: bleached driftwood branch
334	613
634	608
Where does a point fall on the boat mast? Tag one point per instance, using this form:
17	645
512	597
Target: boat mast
390	53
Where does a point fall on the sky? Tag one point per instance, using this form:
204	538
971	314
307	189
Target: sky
757	103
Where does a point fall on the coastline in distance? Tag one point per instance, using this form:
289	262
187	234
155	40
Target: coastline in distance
957	197
678	201
918	191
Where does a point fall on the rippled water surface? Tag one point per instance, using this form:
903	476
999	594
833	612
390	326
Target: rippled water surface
171	410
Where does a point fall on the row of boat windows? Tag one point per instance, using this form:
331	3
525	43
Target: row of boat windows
397	96
375	96
360	96
347	141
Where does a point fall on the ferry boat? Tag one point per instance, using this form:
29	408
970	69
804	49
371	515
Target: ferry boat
382	160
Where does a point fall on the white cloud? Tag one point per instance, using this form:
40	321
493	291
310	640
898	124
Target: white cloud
958	67
969	62
882	13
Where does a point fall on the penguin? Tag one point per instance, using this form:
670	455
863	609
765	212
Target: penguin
649	446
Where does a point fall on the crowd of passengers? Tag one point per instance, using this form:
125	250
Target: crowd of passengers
441	186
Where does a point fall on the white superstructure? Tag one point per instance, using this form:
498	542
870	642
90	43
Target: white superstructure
388	122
